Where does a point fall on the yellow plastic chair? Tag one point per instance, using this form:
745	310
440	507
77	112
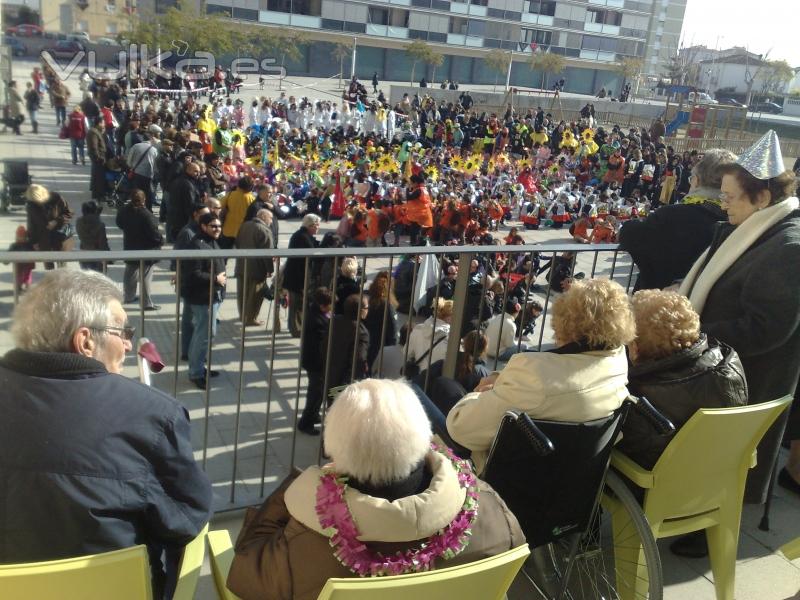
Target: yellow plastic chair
486	579
121	574
698	484
791	550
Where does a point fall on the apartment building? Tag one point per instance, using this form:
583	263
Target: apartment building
98	18
593	35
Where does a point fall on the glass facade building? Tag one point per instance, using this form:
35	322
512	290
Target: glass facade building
593	35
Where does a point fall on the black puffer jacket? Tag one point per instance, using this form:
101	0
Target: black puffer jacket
707	375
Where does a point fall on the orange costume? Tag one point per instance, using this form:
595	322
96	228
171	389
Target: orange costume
418	208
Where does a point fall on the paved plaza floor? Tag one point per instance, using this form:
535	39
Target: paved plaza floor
265	395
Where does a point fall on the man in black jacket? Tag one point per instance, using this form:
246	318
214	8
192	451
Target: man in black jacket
92	461
139	232
294	272
665	245
184	194
203	288
314	351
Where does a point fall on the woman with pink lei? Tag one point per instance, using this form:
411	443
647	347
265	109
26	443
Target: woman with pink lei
389	502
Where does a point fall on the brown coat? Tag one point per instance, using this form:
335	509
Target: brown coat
282	554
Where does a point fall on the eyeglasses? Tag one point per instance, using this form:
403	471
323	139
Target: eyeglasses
125	332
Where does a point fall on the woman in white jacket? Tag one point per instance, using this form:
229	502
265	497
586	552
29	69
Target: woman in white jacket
583	379
433	332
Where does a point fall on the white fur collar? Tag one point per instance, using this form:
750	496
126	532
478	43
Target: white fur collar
698	284
404	520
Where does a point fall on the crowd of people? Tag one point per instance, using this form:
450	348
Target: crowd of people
713	322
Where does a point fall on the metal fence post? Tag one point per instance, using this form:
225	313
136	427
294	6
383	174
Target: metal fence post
459	307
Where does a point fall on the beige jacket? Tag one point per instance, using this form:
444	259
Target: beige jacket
283	554
545	385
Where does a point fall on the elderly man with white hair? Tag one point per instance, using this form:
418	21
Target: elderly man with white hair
92	461
374	509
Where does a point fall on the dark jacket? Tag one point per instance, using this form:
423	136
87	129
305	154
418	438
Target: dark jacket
665	245
184	193
139	228
96	145
196	281
294	273
345	286
92	232
374	322
755	308
707	375
346	338
113	466
254	234
315	341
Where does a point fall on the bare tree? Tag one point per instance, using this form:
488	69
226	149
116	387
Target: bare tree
342	50
750	76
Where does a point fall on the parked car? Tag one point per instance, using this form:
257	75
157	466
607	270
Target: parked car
731	102
65	49
17	47
25	30
106	41
79	36
701	98
767	107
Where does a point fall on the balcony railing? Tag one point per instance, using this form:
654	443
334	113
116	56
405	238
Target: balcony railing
244	428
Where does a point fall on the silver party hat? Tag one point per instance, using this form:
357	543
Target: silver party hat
763	160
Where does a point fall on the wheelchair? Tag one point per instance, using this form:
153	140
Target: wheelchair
554	477
16	180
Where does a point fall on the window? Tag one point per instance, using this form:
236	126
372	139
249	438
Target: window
477	28
378	16
310	8
604	17
540	37
82	26
458	26
593	42
111	28
280	5
542	7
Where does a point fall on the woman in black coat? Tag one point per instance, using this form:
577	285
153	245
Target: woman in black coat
381	321
677	368
745	286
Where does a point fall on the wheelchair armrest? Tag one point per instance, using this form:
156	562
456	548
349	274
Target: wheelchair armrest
631	470
538	440
661	423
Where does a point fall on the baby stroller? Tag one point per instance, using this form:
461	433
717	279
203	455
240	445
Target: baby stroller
117	183
15	182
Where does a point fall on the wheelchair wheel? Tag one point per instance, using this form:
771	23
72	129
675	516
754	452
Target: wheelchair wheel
617	559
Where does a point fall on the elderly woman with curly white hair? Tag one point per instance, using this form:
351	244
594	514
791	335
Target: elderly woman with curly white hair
581	380
388	503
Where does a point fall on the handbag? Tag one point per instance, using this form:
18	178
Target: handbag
63	134
132	172
411	368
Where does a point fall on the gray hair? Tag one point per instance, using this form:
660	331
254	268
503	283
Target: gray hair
50	313
264	214
709	170
311	219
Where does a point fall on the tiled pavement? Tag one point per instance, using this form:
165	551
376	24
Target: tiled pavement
762	574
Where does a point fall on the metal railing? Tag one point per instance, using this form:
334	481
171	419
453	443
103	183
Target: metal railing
245	431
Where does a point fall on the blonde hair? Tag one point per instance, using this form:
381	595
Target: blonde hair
596	312
377	431
349	267
443	309
665	323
